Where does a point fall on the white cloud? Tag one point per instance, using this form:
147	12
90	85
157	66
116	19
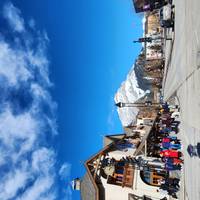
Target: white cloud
65	175
68	193
38	190
12	14
13	64
39	61
14	127
12	183
43	161
65	171
29	163
31	23
110	119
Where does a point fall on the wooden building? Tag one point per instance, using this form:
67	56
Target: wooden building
121	171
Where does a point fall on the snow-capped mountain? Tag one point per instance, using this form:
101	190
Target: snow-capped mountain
132	89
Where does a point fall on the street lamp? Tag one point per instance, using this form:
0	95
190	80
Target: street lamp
120	104
144	39
145	104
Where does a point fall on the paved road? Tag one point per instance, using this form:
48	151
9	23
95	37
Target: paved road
183	80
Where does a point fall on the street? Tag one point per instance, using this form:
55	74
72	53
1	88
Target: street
183	81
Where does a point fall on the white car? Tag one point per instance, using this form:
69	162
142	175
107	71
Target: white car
167	16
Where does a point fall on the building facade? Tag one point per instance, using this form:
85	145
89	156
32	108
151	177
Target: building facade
122	170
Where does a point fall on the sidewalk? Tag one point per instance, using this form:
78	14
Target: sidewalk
168	50
179	174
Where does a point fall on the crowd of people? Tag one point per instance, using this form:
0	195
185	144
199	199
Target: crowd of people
169	147
165	145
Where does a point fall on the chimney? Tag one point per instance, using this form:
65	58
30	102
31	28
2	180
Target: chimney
76	184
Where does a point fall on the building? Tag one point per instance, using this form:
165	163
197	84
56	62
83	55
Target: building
153	22
154	31
147	5
122	170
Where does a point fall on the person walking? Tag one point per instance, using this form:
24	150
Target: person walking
165	107
177	161
174	139
170	153
173	182
171	167
170	189
172	161
166	139
165	130
168	145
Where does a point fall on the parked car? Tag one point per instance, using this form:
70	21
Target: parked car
167	16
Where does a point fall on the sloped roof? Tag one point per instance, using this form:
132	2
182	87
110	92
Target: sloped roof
129	130
138	5
108	139
88	191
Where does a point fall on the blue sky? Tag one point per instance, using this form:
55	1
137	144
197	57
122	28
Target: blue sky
66	59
